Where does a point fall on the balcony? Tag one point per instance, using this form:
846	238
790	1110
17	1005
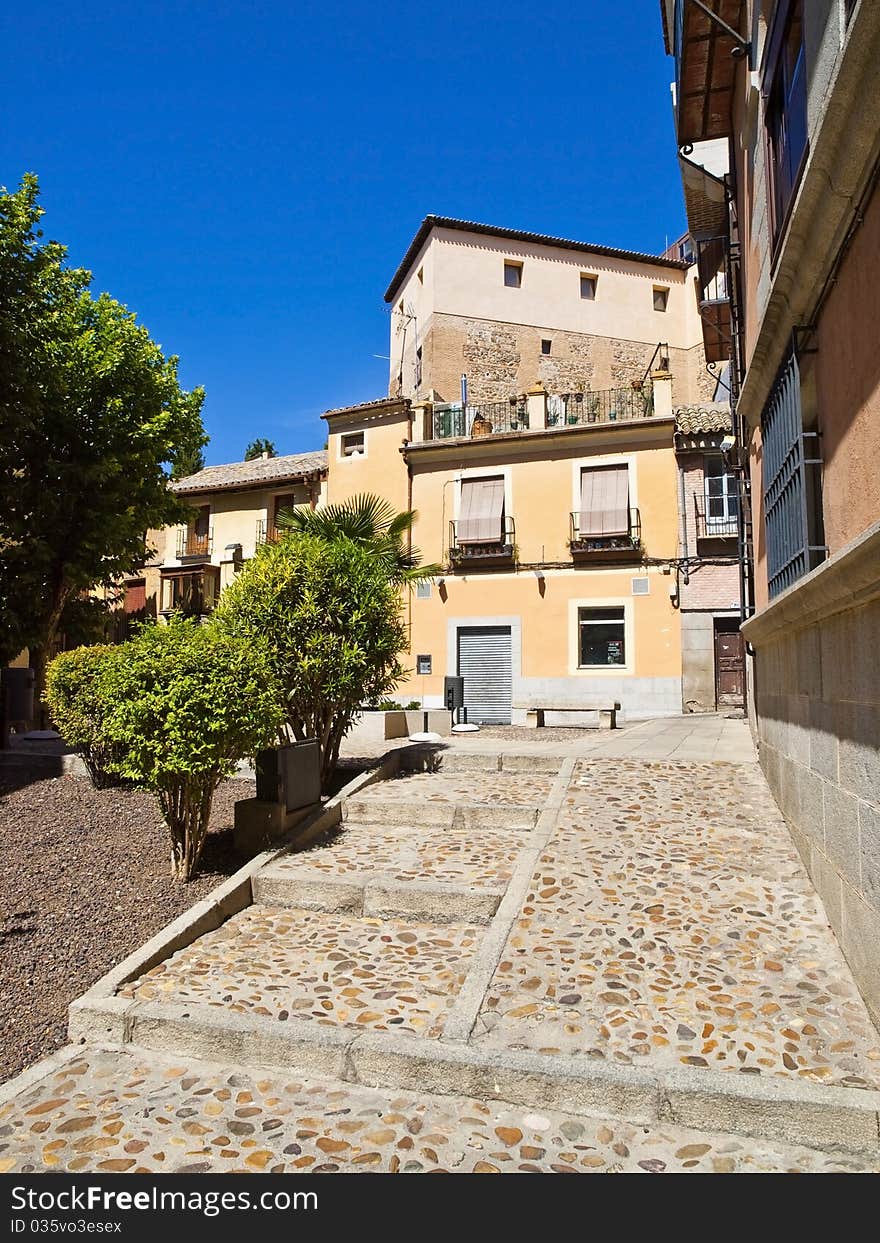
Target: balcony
596	545
714	298
454	421
194	545
723	526
498	551
707	46
610	405
266	534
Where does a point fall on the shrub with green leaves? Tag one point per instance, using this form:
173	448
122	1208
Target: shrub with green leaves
178	707
174	710
331	615
74	694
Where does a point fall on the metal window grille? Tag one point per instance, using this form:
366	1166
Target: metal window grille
791	513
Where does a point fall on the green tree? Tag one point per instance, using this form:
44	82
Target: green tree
188	462
91	414
370	523
258	447
332	619
174	709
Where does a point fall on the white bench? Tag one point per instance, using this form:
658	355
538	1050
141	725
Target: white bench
607	709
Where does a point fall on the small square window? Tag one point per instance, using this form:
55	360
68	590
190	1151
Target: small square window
602	638
588	287
545	346
661	297
513	275
352	444
423	590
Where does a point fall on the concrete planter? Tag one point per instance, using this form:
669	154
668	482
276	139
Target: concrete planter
288	789
438	722
377	726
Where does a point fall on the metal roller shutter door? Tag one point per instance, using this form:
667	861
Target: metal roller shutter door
485	664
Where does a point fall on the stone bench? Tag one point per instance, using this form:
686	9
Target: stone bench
607	709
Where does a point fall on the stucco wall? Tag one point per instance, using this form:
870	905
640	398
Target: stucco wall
380	470
460	277
848	378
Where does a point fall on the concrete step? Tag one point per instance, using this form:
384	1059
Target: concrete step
440	815
186	1115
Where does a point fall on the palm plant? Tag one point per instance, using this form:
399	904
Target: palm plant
370	522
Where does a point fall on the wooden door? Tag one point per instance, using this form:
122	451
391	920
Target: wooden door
729	666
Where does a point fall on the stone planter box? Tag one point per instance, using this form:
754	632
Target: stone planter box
377	726
439	722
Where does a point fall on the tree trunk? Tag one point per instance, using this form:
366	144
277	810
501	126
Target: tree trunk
186	808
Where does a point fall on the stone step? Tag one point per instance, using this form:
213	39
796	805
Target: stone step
376	896
440	815
116	1110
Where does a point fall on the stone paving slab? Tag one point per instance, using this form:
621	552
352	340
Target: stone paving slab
653	935
119	1111
508	789
281	963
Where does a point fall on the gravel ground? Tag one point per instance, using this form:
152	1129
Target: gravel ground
84	880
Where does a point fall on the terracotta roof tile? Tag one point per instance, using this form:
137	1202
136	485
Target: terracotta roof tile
709	416
269	471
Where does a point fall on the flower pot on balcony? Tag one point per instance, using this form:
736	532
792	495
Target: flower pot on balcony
481	427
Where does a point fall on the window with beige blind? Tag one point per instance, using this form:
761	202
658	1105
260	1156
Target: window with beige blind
481	511
604	501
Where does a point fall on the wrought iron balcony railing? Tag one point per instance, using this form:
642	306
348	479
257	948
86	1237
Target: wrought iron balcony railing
716	526
485	419
501	547
609	405
587	539
192	544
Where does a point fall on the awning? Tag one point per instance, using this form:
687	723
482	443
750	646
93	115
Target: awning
705	69
481	511
704	200
605	501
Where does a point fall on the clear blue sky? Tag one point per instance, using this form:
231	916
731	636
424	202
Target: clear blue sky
246	177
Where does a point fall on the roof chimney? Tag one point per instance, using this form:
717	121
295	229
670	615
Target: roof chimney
265	453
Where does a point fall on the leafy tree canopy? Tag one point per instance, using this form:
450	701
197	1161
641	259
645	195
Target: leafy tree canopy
331	617
258	447
91	416
371	523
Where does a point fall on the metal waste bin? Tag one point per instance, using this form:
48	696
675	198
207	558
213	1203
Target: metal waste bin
18	694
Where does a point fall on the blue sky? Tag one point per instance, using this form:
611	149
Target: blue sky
246	177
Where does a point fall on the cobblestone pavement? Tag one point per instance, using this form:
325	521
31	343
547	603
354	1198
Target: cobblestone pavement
652	924
123	1112
670	921
410	854
506	789
280	963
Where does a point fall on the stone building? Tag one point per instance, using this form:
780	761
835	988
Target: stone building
507	309
788	241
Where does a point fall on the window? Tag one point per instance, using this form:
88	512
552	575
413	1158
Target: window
285	500
790	483
481	511
588	286
661	297
423	590
545	346
352	444
195	541
192	593
513	275
604	502
722	499
785	108
601	637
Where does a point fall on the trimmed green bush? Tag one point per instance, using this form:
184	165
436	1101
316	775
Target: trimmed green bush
332	619
174	710
74	695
